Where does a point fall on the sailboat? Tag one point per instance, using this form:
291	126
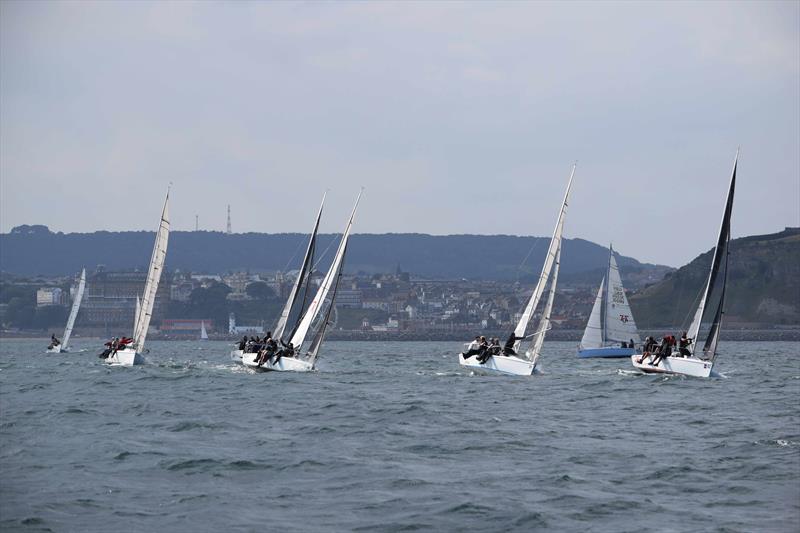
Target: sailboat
203	332
309	332
611	323
130	353
73	314
295	306
700	361
525	364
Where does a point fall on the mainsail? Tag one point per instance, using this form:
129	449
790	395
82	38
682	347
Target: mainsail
303	276
718	263
329	283
73	314
552	252
618	324
203	332
153	277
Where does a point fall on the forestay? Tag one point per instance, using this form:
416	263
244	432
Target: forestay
73	314
153	276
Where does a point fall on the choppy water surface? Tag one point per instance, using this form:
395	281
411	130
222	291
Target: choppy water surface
395	436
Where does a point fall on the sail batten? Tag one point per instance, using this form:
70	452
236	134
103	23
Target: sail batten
73	314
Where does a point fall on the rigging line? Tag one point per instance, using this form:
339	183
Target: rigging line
535	244
322	255
299	244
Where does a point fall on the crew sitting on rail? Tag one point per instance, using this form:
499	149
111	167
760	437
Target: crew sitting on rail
474	348
53	342
685	342
508	349
287	351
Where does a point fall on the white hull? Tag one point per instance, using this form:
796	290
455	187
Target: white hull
236	355
499	363
286	364
57	349
674	364
125	357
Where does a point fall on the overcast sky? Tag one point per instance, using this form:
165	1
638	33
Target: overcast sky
456	117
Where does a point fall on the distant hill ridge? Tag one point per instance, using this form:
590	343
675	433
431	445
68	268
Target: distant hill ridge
31	250
763	285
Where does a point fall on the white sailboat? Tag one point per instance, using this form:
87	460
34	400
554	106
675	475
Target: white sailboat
203	332
700	361
294	304
524	364
316	317
73	314
611	322
131	353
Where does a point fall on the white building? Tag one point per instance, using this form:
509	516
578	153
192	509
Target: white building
50	296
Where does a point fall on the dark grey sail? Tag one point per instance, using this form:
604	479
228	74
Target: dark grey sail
302	281
717	279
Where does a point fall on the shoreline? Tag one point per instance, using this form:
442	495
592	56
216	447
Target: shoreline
736	335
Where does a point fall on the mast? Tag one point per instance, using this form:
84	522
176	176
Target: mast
720	255
153	277
308	260
73	314
550	258
604	314
327	283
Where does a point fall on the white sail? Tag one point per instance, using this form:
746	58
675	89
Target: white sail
619	325
550	258
153	277
73	314
544	323
203	332
136	312
332	276
305	272
593	334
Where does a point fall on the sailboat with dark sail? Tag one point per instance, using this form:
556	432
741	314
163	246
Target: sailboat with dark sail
295	304
695	360
309	331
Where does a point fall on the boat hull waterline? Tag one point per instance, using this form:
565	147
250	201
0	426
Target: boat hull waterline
502	364
286	364
674	364
609	352
125	357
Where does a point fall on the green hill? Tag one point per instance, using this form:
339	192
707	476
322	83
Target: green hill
763	285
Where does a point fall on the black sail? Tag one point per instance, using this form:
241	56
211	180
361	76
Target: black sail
720	265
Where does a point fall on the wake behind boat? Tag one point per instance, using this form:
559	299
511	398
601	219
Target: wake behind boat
300	353
57	346
611	330
688	360
483	357
128	351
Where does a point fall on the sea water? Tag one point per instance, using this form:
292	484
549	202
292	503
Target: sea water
395	436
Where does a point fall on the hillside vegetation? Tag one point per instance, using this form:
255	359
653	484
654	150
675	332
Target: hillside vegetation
763	285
